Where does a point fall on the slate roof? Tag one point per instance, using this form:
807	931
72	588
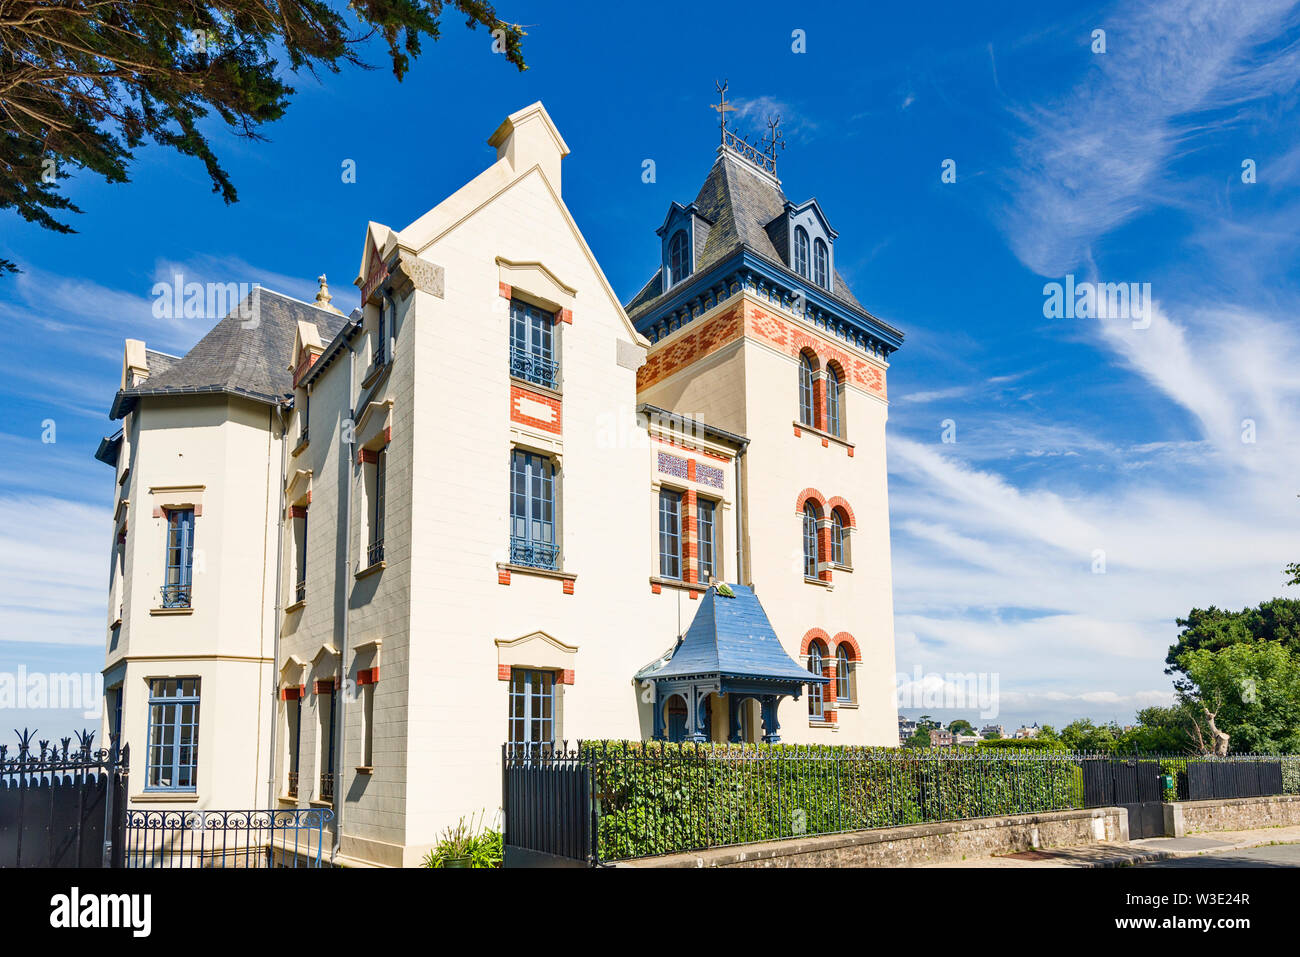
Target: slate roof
247	353
739	202
731	637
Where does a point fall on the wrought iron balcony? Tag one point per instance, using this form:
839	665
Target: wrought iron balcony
375	553
300	591
534	368
175	596
534	554
327	785
293	784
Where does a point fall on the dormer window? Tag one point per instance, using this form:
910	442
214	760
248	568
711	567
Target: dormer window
821	264
679	258
801	251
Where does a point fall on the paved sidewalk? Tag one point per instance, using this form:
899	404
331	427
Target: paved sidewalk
1138	852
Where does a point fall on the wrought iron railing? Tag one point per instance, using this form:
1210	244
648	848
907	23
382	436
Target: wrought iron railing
327	785
289	837
292	789
300	591
534	368
534	554
375	553
175	596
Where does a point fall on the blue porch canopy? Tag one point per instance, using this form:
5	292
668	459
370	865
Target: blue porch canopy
729	649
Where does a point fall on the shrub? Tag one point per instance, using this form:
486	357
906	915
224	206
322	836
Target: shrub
467	839
659	798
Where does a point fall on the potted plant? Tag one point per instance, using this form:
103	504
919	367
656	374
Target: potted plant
468	844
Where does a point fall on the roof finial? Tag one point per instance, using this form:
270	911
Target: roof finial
323	297
723	108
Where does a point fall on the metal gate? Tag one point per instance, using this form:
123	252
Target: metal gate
1133	784
547	808
1242	778
289	837
57	803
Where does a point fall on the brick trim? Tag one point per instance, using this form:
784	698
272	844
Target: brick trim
368	676
809	494
503	576
503	672
505	291
838	502
325	685
297	511
367	456
564	677
811	635
844	638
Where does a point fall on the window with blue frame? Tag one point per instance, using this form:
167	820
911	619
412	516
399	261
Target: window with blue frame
801	251
532	708
816	697
325	737
377	505
293	709
705	532
679	257
179	576
837	538
533	541
834	394
173	735
807	413
821	264
532	345
383	332
843	677
670	533
809	541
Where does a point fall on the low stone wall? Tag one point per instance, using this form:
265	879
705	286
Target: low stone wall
916	843
1239	814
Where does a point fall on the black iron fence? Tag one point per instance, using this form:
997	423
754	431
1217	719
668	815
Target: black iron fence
61	806
608	801
291	837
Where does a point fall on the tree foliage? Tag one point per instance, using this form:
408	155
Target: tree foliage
83	83
1214	629
1249	691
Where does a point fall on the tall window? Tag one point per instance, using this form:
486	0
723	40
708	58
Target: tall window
843	680
177	585
834	392
532	511
375	546
816	699
384	330
532	345
532	708
304	419
300	586
670	533
173	735
837	538
293	712
679	258
801	251
809	541
821	264
368	725
705	533
807	415
325	737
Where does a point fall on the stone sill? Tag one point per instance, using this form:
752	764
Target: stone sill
364	769
823	724
844	443
300	447
285	799
296	606
829	586
678	583
846	706
369	570
314	803
842	568
539	572
166	797
171	611
376	373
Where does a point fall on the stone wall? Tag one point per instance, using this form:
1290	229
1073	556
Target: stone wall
917	843
1239	814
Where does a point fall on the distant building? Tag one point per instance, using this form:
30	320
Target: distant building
1027	732
940	738
966	740
993	731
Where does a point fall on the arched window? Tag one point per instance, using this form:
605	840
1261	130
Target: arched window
834	392
843	681
679	258
837	538
807	416
815	697
801	251
809	541
821	264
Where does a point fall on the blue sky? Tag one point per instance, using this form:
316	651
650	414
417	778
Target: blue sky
1072	435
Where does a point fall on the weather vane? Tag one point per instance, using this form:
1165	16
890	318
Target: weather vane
774	139
723	108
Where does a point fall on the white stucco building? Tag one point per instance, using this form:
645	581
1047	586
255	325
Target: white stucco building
485	506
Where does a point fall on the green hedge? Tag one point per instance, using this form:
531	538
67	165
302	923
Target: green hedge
659	798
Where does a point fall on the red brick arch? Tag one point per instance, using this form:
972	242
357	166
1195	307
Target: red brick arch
810	494
844	638
815	634
843	506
